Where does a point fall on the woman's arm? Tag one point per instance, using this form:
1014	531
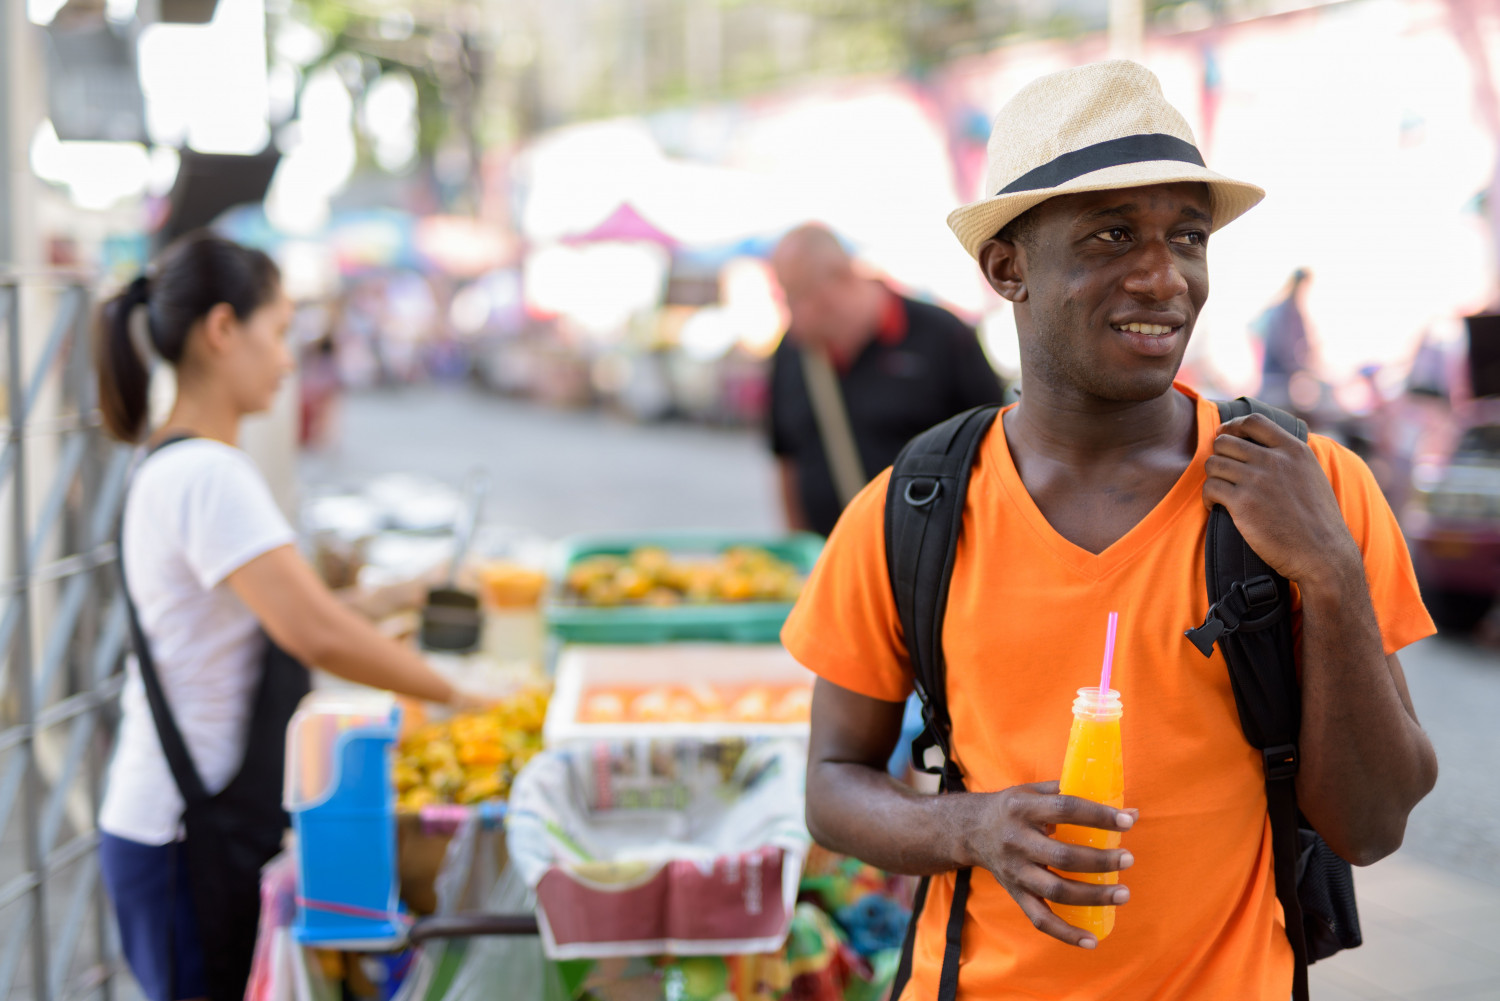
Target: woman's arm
307	620
378	603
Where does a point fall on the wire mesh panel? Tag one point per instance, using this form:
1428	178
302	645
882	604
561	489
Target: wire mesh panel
62	636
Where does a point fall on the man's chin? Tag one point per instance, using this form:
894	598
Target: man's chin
1139	387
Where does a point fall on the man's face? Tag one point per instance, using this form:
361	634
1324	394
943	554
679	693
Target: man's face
1112	283
822	301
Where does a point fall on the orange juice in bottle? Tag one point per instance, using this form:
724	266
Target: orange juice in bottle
1093	769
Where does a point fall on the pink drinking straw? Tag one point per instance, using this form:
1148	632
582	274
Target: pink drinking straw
1109	655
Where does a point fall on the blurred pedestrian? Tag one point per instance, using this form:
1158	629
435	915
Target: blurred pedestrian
860	371
224	611
1288	352
320	386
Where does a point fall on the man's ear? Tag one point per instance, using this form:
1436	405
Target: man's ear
1004	267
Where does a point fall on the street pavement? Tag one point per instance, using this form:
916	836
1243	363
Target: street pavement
1431	912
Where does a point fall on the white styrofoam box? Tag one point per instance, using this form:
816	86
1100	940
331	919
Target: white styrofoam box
585	666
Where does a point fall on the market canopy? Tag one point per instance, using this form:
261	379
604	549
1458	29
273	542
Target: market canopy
624	225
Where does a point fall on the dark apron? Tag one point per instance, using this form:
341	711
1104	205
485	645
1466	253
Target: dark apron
230	836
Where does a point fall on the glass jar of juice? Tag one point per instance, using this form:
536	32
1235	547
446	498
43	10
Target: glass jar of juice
1093	769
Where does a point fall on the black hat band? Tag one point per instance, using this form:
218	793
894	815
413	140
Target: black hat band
1110	153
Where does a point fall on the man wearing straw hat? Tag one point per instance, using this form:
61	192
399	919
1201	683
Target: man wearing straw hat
1091	495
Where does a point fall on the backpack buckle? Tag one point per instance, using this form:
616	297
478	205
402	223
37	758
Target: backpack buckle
920	745
1280	761
1203	637
1236	609
1223	619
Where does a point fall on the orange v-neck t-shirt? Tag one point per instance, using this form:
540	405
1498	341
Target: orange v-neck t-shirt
1025	628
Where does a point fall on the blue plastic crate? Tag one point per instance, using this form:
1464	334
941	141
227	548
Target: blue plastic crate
346	846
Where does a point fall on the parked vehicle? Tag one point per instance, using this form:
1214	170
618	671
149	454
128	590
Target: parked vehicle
1452	521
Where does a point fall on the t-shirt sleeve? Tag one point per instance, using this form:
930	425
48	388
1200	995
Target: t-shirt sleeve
845	628
228	517
975	381
1388	570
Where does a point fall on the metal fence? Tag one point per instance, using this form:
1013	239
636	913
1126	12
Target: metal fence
62	634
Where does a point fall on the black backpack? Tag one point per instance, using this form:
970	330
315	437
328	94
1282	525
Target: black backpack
1248	618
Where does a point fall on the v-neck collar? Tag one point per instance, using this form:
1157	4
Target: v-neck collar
1187	491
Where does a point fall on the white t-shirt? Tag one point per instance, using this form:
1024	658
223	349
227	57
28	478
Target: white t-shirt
197	511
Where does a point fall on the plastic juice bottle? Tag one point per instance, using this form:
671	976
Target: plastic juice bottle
1093	769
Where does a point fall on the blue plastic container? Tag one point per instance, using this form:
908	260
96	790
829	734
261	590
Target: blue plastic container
343	808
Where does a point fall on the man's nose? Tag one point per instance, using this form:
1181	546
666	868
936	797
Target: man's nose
1156	276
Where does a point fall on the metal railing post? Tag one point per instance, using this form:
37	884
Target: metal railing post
20	650
86	400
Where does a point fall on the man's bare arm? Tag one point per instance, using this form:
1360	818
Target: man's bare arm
855	807
1365	762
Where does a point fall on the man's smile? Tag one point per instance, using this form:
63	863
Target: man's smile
1151	329
1154	340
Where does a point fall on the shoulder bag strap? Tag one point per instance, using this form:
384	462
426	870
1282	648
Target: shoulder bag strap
1250	617
923	519
179	759
834	430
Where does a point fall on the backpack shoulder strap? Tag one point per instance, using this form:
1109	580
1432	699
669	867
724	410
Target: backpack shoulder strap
924	509
174	747
1250	620
1243	406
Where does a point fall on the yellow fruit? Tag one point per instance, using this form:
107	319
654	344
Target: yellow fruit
604	593
736	587
651	561
662	597
480	788
633	584
413	800
406	776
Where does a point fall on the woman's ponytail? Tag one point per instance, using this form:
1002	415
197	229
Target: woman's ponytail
196	273
124	379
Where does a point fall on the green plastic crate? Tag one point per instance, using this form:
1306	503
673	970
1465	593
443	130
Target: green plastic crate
746	622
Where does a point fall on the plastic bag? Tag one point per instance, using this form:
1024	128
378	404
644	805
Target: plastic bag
281	970
481	969
638	848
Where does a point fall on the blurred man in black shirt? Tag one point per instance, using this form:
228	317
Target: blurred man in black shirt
902	366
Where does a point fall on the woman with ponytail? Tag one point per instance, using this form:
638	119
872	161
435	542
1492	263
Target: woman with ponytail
223	610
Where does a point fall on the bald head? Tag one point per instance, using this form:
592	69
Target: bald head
829	303
809	250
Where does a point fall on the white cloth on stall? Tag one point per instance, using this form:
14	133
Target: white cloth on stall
197	511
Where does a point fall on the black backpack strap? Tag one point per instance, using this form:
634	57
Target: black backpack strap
1250	620
924	509
173	746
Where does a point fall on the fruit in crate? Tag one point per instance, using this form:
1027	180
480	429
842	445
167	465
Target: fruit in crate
697	703
654	577
472	757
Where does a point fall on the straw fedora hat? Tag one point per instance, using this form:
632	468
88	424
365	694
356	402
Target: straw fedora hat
1090	128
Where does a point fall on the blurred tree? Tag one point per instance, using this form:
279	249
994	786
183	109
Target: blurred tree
439	45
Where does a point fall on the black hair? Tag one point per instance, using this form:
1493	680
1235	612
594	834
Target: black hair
193	275
1021	229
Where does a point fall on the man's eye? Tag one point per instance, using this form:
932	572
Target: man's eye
1117	235
1196	238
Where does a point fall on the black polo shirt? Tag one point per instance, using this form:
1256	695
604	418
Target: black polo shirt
923	366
